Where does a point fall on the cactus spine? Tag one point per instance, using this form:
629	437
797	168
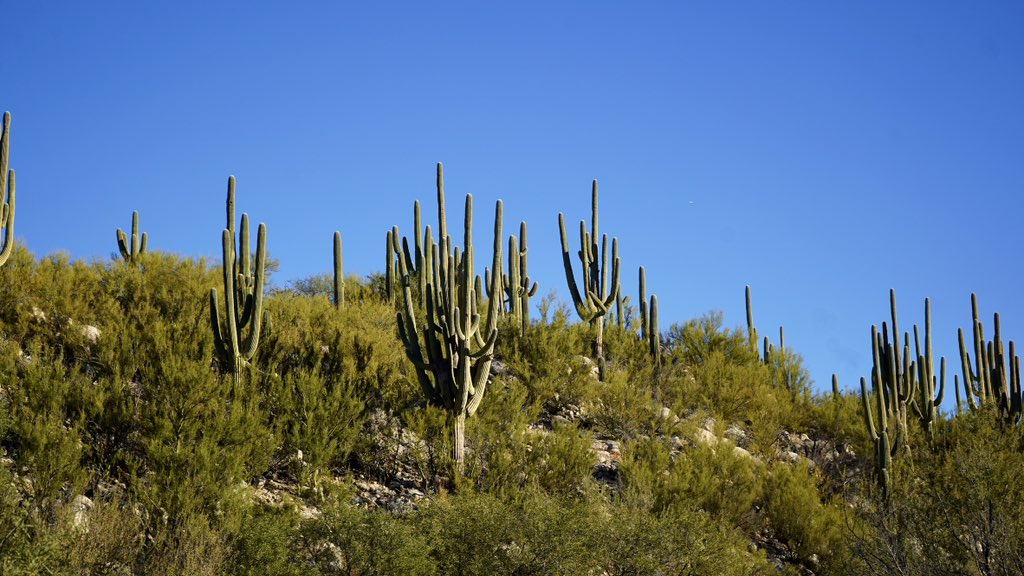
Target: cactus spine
236	343
7	189
452	354
339	273
597	295
133	250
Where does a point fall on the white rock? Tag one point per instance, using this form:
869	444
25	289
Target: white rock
90	333
80	507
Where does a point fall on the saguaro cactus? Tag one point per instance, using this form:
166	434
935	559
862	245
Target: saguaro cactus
924	378
133	250
452	354
649	318
879	435
596	295
7	189
237	341
339	273
995	378
519	287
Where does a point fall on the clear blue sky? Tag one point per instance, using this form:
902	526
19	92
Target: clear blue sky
821	153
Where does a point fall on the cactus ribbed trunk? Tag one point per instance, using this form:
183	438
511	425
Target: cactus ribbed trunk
598	323
459	440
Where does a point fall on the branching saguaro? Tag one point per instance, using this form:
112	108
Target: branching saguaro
596	296
133	249
452	353
994	378
238	336
6	190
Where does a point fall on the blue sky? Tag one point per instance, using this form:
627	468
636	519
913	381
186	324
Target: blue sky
820	152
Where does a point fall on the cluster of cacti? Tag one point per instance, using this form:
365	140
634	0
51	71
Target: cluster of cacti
649	319
516	286
452	354
596	295
902	383
132	250
995	377
7	189
339	273
237	341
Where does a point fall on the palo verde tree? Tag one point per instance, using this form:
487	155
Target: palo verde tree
237	338
452	354
6	190
596	296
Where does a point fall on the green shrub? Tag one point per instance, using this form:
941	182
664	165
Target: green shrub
716	480
479	534
353	541
681	542
797	516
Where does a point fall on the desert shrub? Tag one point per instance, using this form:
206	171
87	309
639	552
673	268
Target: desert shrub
714	479
622	408
318	416
358	343
432	453
269	543
45	427
560	462
550	359
796	514
474	533
354	541
681	542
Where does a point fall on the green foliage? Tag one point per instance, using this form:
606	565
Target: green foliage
718	481
681	542
796	514
317	421
479	534
270	542
351	541
549	359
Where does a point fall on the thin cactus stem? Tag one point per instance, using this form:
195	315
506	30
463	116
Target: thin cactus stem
7	190
339	273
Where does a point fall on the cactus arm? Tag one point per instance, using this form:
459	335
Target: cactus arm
256	310
866	401
574	292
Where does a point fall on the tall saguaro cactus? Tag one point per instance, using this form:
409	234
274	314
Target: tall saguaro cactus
452	354
132	250
596	295
236	342
7	189
339	273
